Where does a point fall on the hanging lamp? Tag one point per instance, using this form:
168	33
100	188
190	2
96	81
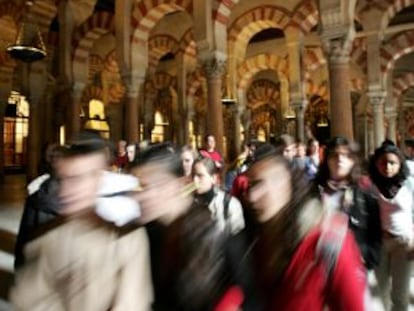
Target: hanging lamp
29	46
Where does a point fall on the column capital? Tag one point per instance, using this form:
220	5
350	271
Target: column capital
390	112
298	102
214	65
77	88
376	97
338	50
132	82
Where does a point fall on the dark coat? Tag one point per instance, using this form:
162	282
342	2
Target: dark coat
365	222
40	208
179	269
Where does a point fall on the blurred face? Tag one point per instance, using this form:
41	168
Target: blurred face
79	179
211	143
202	179
340	163
314	147
388	165
121	148
289	152
409	151
158	199
301	150
187	160
131	153
270	188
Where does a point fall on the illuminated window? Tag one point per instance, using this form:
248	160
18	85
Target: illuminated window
16	129
62	133
157	134
97	120
191	137
261	134
242	134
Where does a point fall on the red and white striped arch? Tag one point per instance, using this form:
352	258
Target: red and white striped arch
187	44
96	65
146	14
263	91
320	89
258	63
390	8
160	45
313	58
393	8
359	53
194	82
305	16
91	92
162	80
10	16
9	8
395	48
43	11
358	85
84	38
402	84
254	21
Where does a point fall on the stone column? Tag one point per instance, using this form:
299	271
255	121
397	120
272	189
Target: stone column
181	118
131	117
340	100
33	148
214	68
391	115
74	110
377	101
34	90
371	139
299	107
297	97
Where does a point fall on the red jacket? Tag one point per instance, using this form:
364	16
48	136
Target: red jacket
345	290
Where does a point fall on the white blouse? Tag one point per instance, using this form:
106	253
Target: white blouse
397	212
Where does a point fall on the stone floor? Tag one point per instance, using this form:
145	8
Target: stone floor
12	195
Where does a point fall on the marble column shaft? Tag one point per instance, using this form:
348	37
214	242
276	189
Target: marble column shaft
214	69
377	102
340	100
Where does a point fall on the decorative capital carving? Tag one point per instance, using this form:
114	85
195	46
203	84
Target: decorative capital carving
215	65
338	50
377	98
391	112
132	83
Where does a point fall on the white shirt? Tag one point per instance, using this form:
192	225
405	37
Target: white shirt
397	212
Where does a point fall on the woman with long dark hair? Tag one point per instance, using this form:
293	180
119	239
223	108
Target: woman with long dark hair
390	174
341	190
304	260
196	239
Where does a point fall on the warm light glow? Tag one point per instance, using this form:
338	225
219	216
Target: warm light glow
97	119
96	109
261	135
242	134
157	134
192	138
62	135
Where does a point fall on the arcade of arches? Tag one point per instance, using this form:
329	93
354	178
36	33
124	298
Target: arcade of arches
141	69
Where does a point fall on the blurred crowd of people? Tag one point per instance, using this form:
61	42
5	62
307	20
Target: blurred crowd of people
286	226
